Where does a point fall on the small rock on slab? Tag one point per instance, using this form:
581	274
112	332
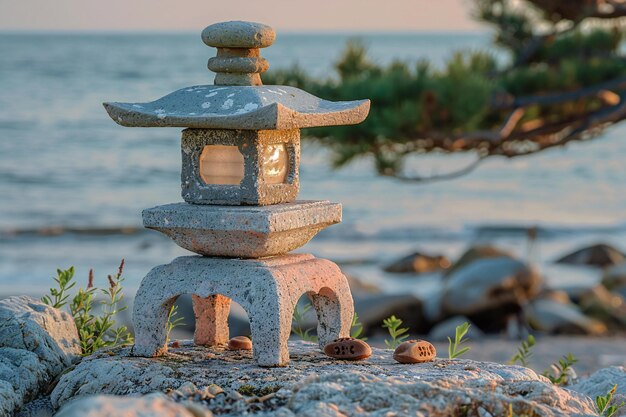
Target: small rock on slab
374	386
415	351
240	343
348	348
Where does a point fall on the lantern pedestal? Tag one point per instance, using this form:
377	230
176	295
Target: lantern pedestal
267	289
242	231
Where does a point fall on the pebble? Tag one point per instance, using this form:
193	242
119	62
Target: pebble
348	348
415	351
240	343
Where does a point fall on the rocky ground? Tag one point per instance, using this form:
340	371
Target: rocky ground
196	381
314	384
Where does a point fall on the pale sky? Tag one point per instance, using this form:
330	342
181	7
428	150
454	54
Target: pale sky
193	15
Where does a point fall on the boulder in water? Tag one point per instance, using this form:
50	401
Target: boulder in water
557	318
601	255
418	263
491	288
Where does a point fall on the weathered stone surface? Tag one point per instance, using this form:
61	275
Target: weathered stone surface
268	289
37	342
418	263
242	231
316	383
601	255
348	348
487	285
241	107
41	407
557	318
601	382
441	331
257	149
113	406
415	351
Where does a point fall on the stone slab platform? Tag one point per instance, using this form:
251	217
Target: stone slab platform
315	384
242	231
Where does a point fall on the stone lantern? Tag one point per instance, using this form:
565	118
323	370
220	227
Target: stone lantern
240	161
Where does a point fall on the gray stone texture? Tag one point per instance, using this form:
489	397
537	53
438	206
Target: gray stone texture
253	190
242	231
153	405
315	383
239	107
268	289
37	343
603	381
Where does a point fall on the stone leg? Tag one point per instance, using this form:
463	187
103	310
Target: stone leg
150	312
333	303
270	325
211	320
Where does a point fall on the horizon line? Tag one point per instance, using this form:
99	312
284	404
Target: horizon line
29	31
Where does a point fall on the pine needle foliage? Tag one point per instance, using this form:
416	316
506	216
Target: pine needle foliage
563	79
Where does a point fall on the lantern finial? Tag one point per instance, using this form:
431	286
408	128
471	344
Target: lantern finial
238	61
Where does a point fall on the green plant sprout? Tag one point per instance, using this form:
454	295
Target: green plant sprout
524	352
356	328
173	321
297	323
398	335
561	372
58	296
94	331
454	348
603	402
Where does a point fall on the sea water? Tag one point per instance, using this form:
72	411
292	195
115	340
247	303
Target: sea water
73	183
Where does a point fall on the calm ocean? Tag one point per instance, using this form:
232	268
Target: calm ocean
65	167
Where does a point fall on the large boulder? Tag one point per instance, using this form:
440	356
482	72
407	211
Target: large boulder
558	318
605	306
475	253
418	263
603	381
488	290
615	277
37	343
601	255
316	385
374	308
